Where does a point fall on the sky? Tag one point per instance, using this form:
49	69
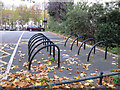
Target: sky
9	3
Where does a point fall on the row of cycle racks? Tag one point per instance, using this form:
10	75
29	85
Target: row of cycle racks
84	43
40	39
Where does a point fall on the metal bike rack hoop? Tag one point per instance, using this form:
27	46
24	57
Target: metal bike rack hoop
35	38
38	34
74	41
31	50
94	47
30	62
85	44
69	37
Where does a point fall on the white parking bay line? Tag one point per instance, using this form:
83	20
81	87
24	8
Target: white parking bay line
11	58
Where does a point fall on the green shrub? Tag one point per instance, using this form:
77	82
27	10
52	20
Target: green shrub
108	32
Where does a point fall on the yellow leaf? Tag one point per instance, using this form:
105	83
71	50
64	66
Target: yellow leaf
65	78
76	77
89	81
62	67
92	87
49	63
87	84
81	86
55	76
37	84
114	57
38	62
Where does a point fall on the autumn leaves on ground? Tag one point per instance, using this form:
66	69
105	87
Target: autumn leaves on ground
45	71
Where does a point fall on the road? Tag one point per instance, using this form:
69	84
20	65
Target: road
14	44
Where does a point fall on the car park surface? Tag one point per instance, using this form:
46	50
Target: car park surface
71	64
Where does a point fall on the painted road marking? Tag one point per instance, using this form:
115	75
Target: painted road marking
4	56
5	52
4	63
11	59
24	43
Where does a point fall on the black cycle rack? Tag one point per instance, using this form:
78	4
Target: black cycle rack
38	34
34	36
69	37
89	39
33	48
74	41
94	48
30	61
37	40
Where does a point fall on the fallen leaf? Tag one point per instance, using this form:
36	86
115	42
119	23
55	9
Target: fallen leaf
70	73
62	67
45	60
55	76
37	84
65	78
96	70
93	74
60	70
89	81
38	62
20	60
68	64
87	84
76	77
41	52
114	57
83	75
77	72
60	79
42	58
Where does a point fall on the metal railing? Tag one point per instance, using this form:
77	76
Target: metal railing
95	77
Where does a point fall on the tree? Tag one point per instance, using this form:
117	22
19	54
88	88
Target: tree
58	9
36	13
24	13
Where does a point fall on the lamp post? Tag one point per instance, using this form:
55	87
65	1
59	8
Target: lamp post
44	19
1	7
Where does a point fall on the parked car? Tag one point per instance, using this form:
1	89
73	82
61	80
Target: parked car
35	28
12	29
